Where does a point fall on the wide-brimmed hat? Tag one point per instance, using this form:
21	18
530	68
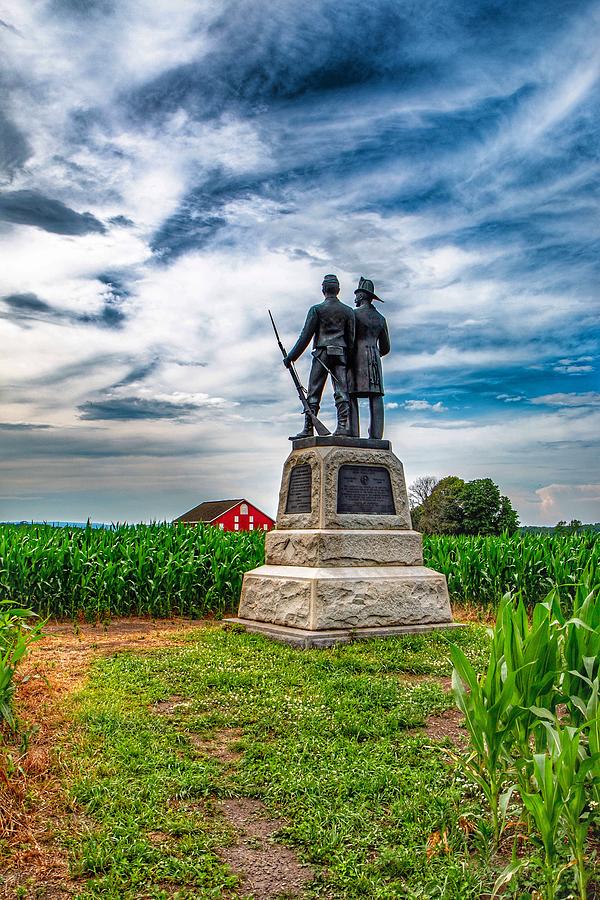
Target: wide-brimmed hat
367	286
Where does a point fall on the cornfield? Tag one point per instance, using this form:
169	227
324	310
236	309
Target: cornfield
481	570
156	570
164	569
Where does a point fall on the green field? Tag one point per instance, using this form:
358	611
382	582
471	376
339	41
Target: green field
330	741
339	750
162	570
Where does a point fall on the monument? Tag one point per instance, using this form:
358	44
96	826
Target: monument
343	561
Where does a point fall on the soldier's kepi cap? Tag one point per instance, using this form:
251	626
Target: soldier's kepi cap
366	285
331	279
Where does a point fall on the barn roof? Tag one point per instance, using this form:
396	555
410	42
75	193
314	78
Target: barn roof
209	510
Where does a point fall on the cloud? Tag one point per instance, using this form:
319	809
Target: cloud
28	306
23	426
585	499
175	406
574	370
587	398
14	148
28	207
187	168
424	405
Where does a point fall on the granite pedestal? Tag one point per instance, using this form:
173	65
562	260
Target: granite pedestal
343	561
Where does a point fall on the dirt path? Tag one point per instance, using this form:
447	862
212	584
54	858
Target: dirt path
33	807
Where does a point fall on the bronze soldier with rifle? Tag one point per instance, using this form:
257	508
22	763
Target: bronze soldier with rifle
330	325
348	346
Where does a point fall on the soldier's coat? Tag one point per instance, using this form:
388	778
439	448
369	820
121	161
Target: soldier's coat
371	342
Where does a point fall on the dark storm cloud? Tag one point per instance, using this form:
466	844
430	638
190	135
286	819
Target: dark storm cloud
29	207
132	408
9	27
293	52
91	442
29	307
197	219
77	370
121	221
28	304
261	56
139	373
23	426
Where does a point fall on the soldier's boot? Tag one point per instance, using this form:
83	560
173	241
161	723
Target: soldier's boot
343	420
308	430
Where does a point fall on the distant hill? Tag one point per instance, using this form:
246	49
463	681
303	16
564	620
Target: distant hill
58	524
550	529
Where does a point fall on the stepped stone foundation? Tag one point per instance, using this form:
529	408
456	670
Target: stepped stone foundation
343	561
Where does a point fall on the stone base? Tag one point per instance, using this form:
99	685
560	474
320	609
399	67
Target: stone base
320	599
333	440
322	547
377	500
305	639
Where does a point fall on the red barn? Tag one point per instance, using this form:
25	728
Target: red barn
229	515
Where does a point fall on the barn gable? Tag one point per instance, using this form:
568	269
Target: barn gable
231	515
208	511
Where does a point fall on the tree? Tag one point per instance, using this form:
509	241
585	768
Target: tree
485	511
421	489
456	507
441	512
573	527
508	519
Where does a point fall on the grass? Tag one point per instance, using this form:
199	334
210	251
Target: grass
330	742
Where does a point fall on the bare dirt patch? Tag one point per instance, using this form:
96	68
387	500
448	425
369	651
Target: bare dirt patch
473	613
447	724
170	706
219	745
266	869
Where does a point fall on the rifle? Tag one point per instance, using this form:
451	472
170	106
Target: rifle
318	425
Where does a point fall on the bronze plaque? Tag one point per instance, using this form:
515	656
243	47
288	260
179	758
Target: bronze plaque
299	490
365	489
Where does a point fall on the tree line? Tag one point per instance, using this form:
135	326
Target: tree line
454	506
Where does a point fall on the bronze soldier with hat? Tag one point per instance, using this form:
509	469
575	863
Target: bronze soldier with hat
372	341
330	324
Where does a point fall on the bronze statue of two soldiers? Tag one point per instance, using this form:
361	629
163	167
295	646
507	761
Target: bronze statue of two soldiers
348	346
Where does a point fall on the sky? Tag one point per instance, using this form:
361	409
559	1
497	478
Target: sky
170	170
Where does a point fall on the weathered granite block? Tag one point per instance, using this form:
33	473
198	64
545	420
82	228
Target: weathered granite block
319	598
280	598
323	507
329	547
343	560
